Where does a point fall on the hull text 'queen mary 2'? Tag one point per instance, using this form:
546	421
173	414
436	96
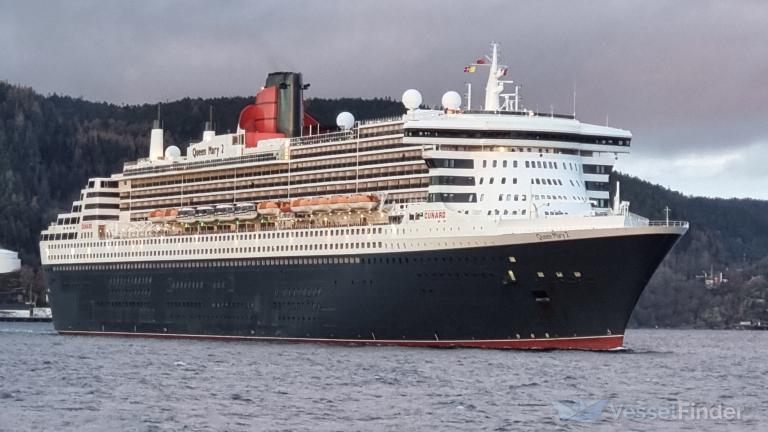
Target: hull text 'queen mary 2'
490	228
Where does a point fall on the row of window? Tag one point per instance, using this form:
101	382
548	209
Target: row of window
100	218
102	194
68	221
451	197
503	180
517	134
193	238
265	262
114	206
93	184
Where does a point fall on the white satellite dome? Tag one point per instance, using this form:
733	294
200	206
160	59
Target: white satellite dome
412	99
345	120
451	100
172	152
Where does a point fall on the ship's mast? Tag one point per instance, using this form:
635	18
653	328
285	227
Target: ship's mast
493	88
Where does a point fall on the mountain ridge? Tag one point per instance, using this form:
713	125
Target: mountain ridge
50	145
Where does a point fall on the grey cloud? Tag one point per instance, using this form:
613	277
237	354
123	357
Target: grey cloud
683	76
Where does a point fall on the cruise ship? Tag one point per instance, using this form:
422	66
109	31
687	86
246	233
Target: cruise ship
457	227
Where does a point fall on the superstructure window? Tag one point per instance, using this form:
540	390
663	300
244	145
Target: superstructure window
100	217
451	197
102	194
101	206
518	134
596	169
450	163
453	180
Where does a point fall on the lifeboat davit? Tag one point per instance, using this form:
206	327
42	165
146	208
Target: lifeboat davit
285	207
339	203
157	216
301	205
268	208
170	215
363	202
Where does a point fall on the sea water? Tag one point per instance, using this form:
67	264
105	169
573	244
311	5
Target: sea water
665	380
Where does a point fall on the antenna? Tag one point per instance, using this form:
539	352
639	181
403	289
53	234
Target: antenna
666	213
156	123
574	100
209	123
469	96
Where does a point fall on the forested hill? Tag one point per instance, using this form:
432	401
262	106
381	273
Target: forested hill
728	235
51	145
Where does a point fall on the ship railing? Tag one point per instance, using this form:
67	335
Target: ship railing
128	170
635	220
322	138
146	232
671	223
386	119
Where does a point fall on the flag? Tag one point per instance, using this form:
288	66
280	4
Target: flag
480	61
469	69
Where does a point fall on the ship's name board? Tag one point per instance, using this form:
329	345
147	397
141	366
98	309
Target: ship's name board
554	235
209	151
435	214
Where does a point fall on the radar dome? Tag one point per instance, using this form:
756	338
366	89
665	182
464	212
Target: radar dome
411	99
451	100
172	152
345	120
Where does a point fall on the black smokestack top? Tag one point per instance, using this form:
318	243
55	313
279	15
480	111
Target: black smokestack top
289	106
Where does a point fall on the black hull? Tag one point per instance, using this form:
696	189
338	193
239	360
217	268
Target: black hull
462	297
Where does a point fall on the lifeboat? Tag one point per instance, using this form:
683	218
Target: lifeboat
205	214
245	211
320	205
224	213
301	206
186	214
171	215
339	203
363	202
268	208
156	216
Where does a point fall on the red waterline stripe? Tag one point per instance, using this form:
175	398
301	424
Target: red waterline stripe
595	343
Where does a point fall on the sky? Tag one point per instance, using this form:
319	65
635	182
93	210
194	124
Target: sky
689	78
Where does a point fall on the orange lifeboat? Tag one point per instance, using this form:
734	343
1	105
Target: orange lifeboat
301	205
339	203
318	205
170	215
363	202
157	216
268	208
